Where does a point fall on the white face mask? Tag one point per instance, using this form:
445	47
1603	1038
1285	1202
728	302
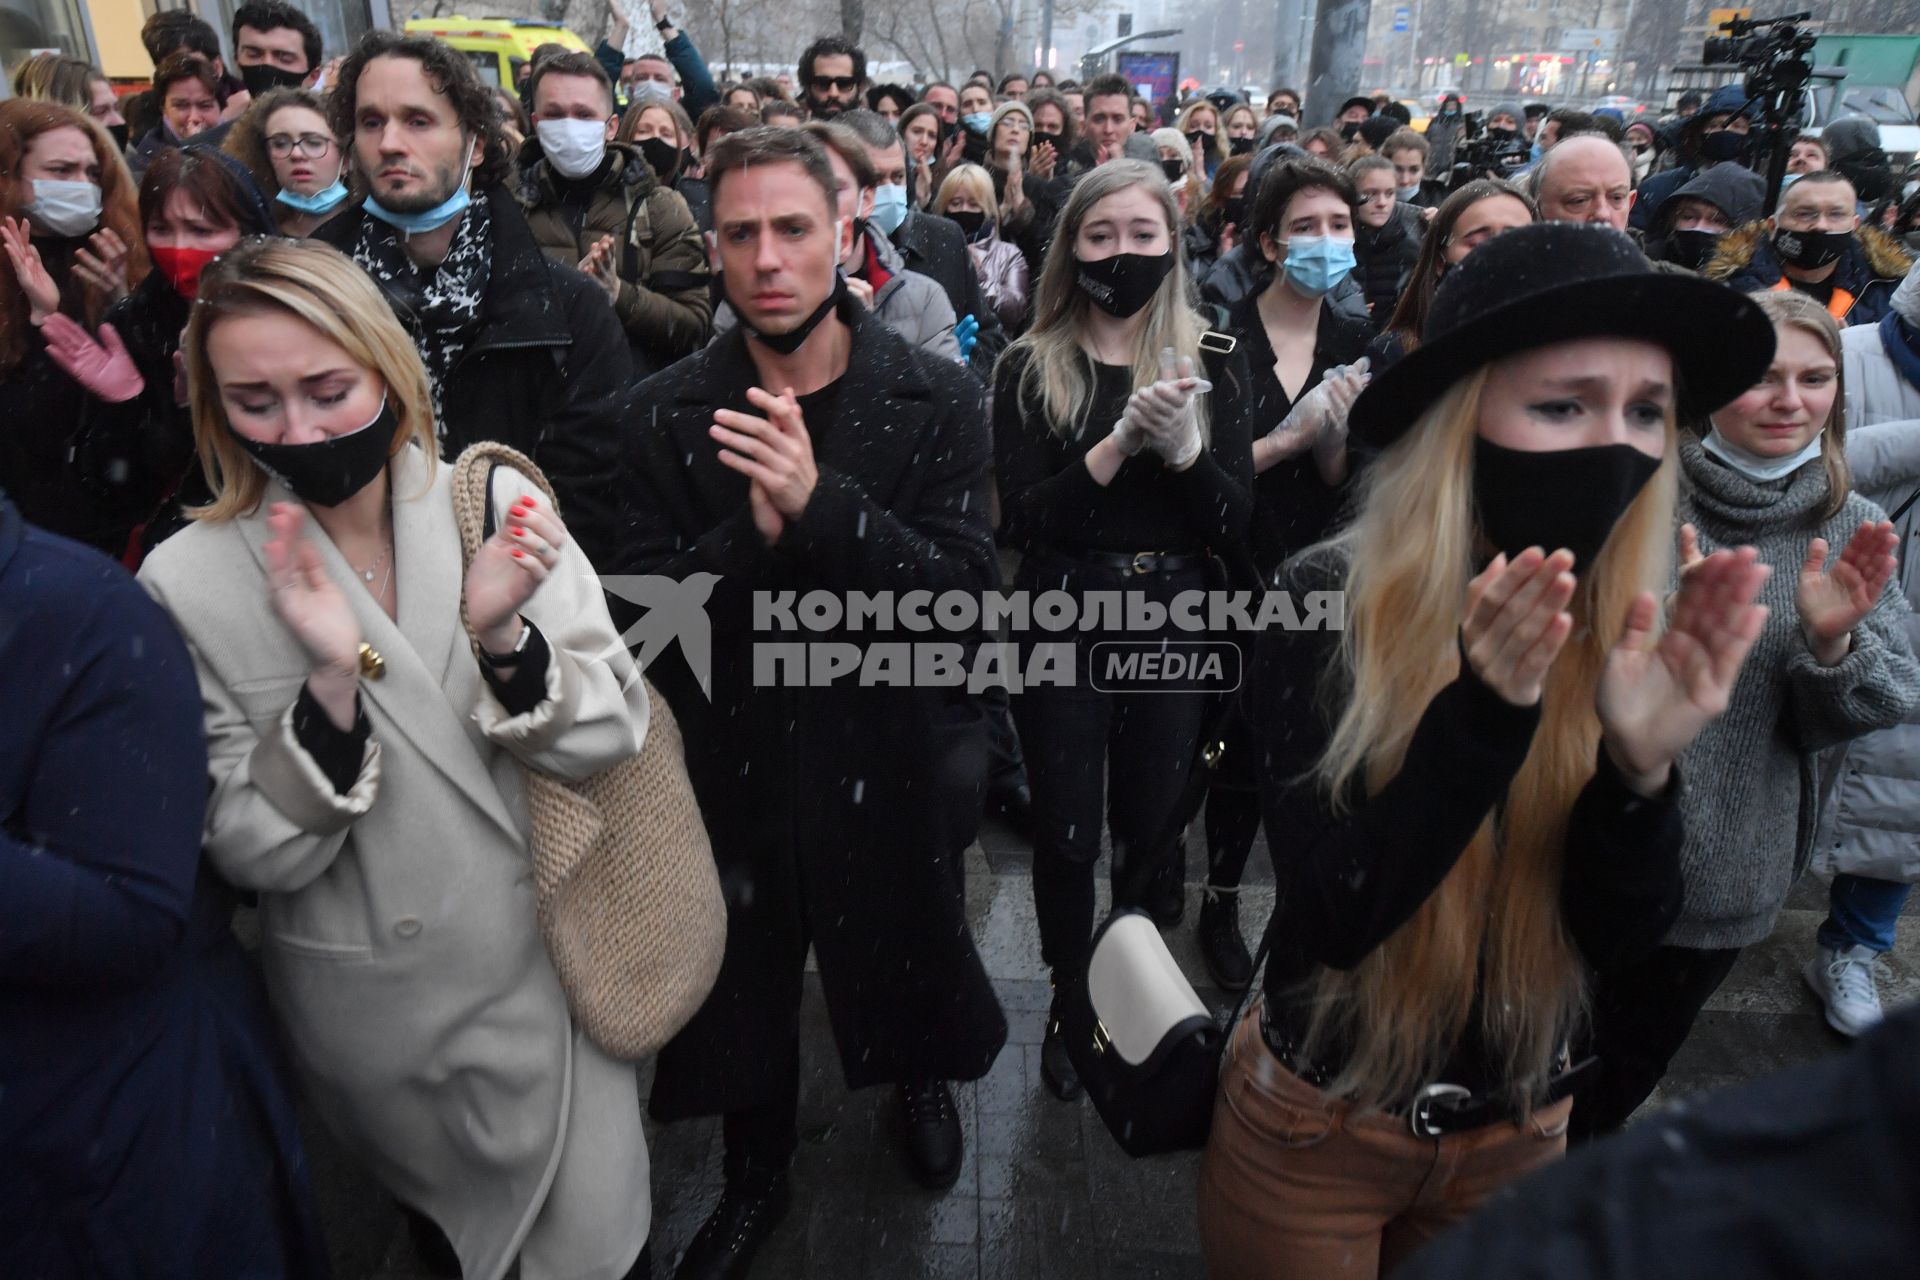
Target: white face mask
1407	194
575	147
1756	466
65	208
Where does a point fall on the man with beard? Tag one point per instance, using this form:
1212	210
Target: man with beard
833	76
812	450
517	348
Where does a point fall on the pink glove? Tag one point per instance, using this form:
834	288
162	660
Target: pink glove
103	367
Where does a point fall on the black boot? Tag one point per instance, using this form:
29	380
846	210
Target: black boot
934	1146
749	1210
1221	945
1056	1068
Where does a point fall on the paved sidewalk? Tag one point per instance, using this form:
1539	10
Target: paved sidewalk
1045	1194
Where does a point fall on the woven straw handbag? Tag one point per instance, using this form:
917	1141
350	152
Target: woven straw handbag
628	896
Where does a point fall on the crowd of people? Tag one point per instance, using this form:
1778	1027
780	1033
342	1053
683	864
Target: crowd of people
1609	451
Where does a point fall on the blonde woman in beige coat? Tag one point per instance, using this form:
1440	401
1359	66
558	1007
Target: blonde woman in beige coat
367	766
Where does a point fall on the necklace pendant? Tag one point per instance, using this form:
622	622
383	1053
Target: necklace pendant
367	574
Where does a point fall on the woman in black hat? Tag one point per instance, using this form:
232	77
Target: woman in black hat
1474	781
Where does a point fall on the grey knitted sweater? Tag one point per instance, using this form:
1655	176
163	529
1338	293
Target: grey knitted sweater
1751	797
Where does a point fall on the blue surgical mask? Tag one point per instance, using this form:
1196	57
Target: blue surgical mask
325	200
1536	151
65	208
977	120
1315	264
889	207
413	224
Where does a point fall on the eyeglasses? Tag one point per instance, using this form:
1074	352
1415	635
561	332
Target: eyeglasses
845	84
311	145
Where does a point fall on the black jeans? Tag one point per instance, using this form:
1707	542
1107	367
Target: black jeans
1641	1017
1233	807
1091	756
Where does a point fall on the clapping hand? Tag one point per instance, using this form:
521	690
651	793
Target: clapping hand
311	606
1658	692
1517	621
775	453
104	368
1168	413
1832	603
601	266
508	569
1044	159
967	333
43	296
102	265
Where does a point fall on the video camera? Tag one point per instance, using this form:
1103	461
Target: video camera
1775	51
1486	155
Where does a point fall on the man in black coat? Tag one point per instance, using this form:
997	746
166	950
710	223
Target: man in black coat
811	450
518	348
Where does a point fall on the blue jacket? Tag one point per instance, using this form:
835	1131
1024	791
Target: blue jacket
697	90
144	1131
1868	274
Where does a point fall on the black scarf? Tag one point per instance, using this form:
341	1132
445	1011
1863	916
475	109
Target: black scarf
441	308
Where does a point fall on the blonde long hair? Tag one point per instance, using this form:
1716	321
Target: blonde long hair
1058	380
321	286
1792	309
1494	926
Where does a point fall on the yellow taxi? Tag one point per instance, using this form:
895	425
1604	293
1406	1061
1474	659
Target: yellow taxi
497	47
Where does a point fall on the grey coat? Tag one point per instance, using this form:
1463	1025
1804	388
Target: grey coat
401	949
913	306
1752	796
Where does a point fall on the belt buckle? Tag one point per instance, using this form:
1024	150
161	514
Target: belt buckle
1140	561
1420	1114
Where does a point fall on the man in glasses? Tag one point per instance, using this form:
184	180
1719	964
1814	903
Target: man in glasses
833	75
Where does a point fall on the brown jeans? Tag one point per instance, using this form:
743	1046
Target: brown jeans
1295	1185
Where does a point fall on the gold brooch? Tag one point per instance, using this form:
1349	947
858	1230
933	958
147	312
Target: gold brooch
372	665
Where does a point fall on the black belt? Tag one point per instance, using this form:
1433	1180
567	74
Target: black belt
1138	561
1437	1109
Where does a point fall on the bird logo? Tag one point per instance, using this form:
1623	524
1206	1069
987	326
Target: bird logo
676	610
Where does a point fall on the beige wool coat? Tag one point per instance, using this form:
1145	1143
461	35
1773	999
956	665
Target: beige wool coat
399	936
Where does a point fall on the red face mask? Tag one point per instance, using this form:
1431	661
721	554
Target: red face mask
182	267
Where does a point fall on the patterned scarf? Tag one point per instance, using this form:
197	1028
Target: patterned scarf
439	306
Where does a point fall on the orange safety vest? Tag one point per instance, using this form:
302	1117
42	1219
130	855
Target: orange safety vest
1837	306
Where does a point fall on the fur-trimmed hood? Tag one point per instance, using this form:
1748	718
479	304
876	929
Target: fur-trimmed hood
1871	268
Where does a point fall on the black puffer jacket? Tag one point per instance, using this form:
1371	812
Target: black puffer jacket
1386	257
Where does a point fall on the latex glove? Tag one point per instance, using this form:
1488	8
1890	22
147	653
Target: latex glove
103	368
966	333
1344	390
1178	442
1322	409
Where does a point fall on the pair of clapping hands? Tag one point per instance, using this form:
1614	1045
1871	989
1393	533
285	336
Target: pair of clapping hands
1163	417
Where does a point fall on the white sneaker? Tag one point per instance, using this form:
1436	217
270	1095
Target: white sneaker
1843	980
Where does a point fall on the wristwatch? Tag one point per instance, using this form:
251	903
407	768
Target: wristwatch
513	655
665	24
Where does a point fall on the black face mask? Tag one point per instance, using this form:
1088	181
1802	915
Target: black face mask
1568	498
1241	146
1350	130
1691	248
1723	145
328	472
1502	134
788	343
118	132
1123	284
661	155
262	76
1200	136
974	149
969	222
1810	250
1174	169
1233	211
1048	139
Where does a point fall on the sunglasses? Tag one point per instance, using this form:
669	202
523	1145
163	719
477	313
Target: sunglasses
845	84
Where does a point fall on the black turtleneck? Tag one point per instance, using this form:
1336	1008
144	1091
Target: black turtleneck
576	194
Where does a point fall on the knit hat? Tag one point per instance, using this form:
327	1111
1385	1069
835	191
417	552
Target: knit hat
1176	140
1906	299
1377	129
1555	282
1507	109
1274	124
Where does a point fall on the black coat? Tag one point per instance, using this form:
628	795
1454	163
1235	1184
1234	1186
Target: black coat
838	814
1385	259
1244	272
1807	1173
144	1127
546	372
937	248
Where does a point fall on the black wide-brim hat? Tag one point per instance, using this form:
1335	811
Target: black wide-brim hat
1554	282
1356	100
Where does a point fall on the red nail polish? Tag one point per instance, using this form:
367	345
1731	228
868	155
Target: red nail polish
518	554
528	501
519	533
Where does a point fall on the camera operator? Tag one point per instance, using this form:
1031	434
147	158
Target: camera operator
1720	133
1496	147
